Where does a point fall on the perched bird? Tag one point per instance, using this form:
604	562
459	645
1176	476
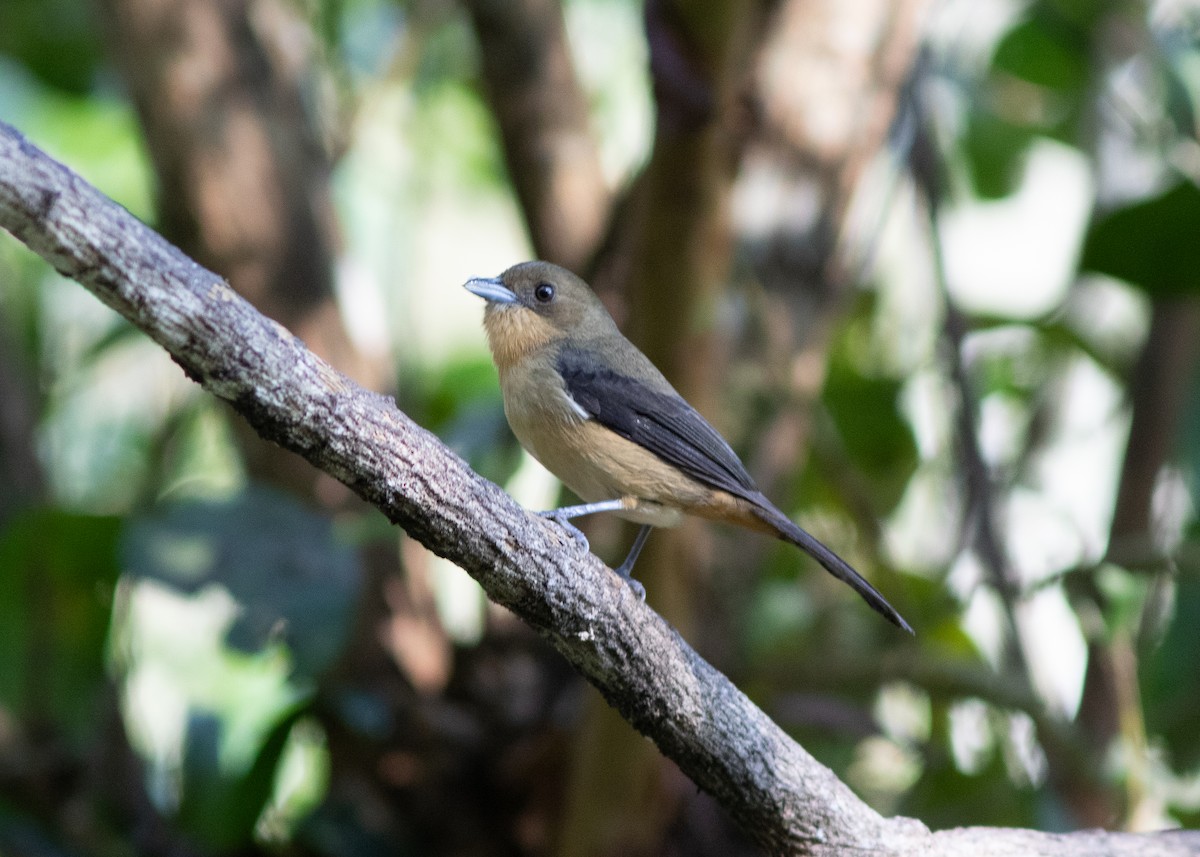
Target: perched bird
592	408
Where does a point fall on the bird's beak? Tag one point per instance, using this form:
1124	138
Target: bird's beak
491	290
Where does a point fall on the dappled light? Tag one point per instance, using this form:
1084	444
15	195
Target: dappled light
928	267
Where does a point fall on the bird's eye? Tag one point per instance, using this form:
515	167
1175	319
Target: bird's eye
544	293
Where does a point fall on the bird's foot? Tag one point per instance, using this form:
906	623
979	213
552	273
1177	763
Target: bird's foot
626	574
563	521
625	569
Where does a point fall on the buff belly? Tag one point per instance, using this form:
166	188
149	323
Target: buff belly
598	464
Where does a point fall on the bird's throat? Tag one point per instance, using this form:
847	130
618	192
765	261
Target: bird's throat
514	333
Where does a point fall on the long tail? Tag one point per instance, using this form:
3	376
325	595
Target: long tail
834	564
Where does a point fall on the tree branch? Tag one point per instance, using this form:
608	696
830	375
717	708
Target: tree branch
776	791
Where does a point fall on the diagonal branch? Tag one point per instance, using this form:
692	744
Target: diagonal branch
775	790
290	396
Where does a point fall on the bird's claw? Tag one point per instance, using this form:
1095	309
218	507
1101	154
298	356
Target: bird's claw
625	572
565	523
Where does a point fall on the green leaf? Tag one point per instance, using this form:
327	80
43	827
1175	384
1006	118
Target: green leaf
291	577
220	807
864	403
55	39
1123	596
1170	680
995	153
1151	244
1045	50
57	575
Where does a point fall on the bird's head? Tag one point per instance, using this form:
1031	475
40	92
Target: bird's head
535	304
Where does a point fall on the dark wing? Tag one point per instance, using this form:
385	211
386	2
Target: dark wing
660	421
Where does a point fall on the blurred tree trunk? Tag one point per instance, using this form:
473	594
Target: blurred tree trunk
670	255
243	180
1110	706
668	248
553	161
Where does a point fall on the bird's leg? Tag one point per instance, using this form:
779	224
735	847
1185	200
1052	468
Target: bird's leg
625	569
564	515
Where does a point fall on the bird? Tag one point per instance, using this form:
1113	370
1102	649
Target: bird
597	413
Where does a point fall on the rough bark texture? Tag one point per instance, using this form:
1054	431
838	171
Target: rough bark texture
779	794
1010	842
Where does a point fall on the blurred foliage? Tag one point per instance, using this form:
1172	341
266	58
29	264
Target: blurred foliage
282	588
1170	683
56	594
144	574
989	788
864	400
56	40
1150	243
221	811
462	405
294	583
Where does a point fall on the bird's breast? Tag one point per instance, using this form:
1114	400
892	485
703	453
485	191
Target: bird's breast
592	460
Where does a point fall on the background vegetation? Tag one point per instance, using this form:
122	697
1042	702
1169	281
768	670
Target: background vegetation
932	268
